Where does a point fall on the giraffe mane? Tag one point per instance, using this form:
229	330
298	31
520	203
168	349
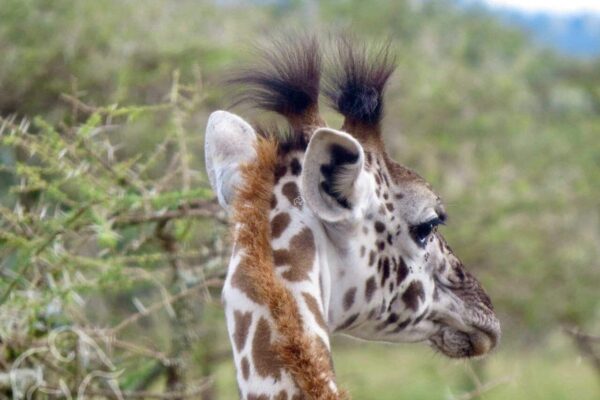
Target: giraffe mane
286	138
300	353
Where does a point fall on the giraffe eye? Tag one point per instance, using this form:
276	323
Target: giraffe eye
422	231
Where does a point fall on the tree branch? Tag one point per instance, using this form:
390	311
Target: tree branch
197	209
585	344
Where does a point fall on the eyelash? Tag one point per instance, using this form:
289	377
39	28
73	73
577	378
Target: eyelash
422	231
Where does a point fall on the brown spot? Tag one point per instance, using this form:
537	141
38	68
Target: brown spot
348	322
392	319
242	325
298	396
283	394
265	359
370	288
290	190
279	223
295	167
314	308
371	258
379	226
402	271
252	396
412	294
280	171
399	196
349	298
420	317
300	257
245	368
273	202
243	282
386	270
389	206
401	325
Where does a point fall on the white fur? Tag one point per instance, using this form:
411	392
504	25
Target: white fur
350	181
229	143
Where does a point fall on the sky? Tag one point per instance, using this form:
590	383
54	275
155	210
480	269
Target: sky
553	6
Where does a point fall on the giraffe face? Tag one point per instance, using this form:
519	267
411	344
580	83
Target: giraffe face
395	277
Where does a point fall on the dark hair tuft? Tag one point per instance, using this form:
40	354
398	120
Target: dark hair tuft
286	79
357	82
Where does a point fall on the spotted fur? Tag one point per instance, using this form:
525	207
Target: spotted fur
296	277
295	350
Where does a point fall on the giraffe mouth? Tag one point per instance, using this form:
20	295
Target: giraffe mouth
465	341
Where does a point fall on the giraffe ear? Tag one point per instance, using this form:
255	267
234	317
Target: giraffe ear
333	181
228	143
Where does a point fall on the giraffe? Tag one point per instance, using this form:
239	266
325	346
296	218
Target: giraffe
330	235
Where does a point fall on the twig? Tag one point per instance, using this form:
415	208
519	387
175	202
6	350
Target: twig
158	305
585	345
144	351
481	389
191	210
41	248
119	178
175	372
80	105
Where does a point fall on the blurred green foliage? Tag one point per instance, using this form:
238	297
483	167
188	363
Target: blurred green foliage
508	134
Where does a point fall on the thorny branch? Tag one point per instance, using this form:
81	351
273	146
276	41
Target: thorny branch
189	210
484	388
588	345
160	304
85	192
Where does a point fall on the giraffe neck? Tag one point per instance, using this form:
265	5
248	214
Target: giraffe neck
276	292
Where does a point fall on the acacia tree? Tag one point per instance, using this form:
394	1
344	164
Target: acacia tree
98	241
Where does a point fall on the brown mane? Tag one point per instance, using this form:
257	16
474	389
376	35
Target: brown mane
301	354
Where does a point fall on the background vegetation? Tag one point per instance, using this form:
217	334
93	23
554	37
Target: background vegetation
112	249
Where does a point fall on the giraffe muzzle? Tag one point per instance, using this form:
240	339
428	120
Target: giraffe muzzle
470	340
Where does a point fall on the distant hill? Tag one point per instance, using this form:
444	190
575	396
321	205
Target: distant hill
571	34
577	35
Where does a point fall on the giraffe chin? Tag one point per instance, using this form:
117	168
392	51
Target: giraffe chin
458	344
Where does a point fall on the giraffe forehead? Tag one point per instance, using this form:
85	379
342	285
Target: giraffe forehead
409	197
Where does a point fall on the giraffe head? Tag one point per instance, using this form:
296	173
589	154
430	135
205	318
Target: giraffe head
391	275
397	278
